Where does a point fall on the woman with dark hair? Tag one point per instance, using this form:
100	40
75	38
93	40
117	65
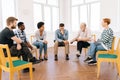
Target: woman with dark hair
41	41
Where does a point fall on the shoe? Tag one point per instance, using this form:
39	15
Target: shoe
41	59
34	60
45	58
27	70
67	57
92	63
56	58
88	59
77	54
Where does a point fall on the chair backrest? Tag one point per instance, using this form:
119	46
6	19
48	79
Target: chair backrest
113	45
118	49
4	60
94	37
32	38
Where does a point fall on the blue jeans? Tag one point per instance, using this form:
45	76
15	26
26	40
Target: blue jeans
41	46
94	47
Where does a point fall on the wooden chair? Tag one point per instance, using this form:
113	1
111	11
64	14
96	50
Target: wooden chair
31	40
108	57
12	64
111	50
85	49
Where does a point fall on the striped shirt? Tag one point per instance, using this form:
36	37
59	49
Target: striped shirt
107	38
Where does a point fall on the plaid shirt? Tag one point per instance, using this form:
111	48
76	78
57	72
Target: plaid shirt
21	34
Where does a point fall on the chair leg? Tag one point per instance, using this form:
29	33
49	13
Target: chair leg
19	78
85	50
0	74
11	76
118	68
36	53
98	69
31	74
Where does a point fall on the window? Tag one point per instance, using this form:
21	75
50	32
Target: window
48	12
75	19
40	1
95	16
77	2
87	11
87	1
47	18
8	9
53	2
83	14
55	17
37	14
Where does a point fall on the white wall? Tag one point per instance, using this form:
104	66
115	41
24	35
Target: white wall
109	8
0	16
24	9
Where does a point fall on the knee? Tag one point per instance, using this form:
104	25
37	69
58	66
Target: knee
56	42
41	44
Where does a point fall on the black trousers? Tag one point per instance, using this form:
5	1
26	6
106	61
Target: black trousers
82	44
24	52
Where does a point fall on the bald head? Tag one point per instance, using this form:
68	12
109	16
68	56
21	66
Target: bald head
83	26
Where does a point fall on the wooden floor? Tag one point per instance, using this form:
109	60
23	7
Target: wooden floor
67	70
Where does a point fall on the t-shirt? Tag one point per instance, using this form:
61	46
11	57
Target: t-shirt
5	37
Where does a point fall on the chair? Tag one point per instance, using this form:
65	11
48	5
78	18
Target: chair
108	51
85	49
108	57
11	65
31	40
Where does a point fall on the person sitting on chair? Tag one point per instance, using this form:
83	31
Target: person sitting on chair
41	41
82	39
104	43
7	36
61	39
20	33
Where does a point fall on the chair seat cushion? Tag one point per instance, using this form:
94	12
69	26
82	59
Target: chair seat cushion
107	56
17	63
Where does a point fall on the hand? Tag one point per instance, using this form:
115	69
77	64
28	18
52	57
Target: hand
78	39
62	31
45	42
18	47
66	42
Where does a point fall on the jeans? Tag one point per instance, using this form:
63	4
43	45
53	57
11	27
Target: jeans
41	46
94	47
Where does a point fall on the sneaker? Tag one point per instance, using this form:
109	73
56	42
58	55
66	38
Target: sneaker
27	70
77	54
56	58
34	60
92	63
45	59
88	59
67	57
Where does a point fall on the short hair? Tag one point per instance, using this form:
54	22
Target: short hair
11	19
61	25
20	24
107	20
40	24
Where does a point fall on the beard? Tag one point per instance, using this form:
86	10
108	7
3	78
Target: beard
13	27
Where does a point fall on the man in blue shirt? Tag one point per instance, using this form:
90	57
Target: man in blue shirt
61	39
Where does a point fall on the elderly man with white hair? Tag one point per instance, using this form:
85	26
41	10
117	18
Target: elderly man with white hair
82	39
